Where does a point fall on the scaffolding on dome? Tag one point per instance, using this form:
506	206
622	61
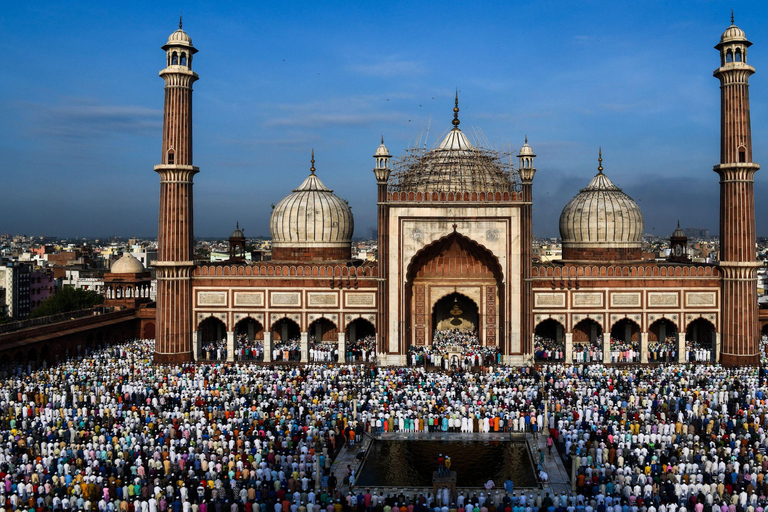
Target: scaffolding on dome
454	168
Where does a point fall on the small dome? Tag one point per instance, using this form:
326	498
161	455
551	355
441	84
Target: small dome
733	33
382	149
179	36
127	265
601	222
312	216
679	233
237	233
526	149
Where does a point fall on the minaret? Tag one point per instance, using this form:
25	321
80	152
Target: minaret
175	251
737	204
526	172
382	172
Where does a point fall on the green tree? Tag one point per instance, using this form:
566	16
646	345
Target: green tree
67	299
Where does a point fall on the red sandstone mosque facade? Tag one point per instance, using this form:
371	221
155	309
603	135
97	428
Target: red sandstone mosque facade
455	234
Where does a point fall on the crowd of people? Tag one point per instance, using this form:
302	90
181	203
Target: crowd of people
112	431
453	349
362	350
698	352
286	350
215	350
588	352
547	349
624	351
324	352
663	351
249	350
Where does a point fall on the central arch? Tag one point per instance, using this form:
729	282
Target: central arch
452	265
455	312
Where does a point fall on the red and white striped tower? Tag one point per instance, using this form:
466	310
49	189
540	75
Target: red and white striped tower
737	203
175	252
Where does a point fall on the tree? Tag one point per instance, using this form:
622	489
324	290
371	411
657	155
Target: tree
67	299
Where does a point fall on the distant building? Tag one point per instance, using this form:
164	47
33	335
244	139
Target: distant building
696	232
15	277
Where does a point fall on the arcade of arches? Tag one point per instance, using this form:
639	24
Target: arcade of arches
663	341
454	283
212	334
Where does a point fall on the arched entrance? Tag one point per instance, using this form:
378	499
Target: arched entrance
662	342
587	342
455	312
625	342
213	339
453	264
548	342
323	341
700	342
249	340
361	340
286	335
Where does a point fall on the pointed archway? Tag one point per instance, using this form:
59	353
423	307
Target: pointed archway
454	264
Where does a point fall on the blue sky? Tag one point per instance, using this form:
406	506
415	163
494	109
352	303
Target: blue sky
81	103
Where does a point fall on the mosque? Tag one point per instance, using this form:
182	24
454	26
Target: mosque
454	244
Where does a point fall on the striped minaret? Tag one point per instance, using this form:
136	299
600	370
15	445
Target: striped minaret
175	252
738	259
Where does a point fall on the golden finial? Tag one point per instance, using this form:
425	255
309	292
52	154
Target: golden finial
456	121
382	139
312	169
180	17
600	161
526	138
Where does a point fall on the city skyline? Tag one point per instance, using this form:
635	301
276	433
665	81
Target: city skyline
278	81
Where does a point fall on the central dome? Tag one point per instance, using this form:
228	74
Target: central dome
311	223
454	165
601	223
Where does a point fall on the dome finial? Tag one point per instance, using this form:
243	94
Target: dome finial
600	161
731	16
456	121
526	138
312	169
182	15
382	139
678	223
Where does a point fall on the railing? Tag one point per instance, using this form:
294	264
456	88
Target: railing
44	320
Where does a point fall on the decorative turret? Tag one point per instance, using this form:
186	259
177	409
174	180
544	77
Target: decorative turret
525	162
237	245
678	246
382	156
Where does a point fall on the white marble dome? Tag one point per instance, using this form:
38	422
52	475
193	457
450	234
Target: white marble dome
127	265
311	216
601	216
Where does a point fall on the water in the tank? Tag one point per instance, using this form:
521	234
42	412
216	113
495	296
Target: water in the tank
411	463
